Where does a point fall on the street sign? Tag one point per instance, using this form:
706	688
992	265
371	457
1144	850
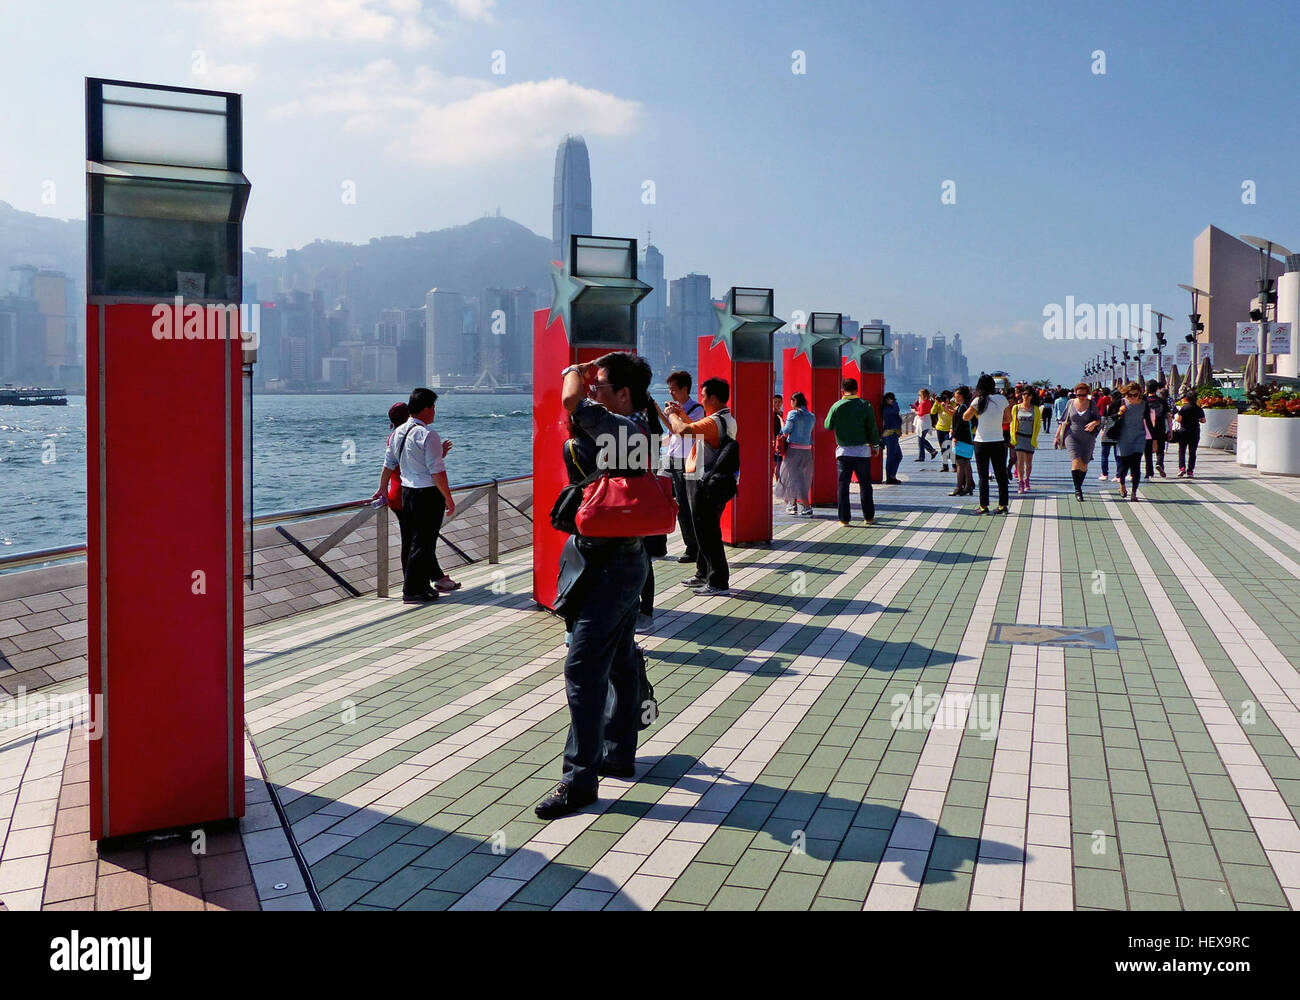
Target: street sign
1279	338
1247	338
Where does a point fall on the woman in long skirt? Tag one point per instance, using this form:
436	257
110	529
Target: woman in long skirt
795	483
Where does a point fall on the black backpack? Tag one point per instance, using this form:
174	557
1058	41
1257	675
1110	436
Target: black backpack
719	486
649	706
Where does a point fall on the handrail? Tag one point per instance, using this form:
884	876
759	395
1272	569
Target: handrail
71	552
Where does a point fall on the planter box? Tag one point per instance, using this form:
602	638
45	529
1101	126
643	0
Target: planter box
1246	446
1277	444
1216	425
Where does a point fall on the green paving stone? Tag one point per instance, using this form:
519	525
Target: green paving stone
431	899
945	890
1141	838
726	846
398	888
848	879
1152	901
1204	894
1095	852
1238	848
954	854
1135	808
332	868
1254	884
672	904
791	891
1145	873
1195	861
698	883
755	870
731	897
344	892
831	903
1177	798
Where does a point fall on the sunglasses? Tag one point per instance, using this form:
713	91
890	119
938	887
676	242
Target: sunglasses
597	386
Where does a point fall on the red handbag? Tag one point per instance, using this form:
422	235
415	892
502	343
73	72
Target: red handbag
627	507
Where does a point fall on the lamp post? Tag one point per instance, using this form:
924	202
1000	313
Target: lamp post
1267	296
1160	343
1194	318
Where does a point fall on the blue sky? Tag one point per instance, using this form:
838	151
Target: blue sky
825	184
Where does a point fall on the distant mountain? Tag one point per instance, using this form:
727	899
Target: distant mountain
398	271
27	238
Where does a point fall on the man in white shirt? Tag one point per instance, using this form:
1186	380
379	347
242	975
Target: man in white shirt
426	497
679	388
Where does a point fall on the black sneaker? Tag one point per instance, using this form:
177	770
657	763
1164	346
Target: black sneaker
1000	510
610	771
894	482
694	581
687	559
563	801
427	598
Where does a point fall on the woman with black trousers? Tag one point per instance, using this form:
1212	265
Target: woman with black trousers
1190	417
1134	426
990	446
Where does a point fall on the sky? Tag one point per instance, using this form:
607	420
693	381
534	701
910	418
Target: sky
805	146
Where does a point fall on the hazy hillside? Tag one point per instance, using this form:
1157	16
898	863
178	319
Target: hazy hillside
26	238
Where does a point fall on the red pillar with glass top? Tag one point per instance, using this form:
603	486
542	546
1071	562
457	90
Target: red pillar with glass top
865	362
814	369
165	518
741	354
593	313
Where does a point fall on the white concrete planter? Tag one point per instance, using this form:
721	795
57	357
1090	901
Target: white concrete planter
1277	444
1246	446
1216	425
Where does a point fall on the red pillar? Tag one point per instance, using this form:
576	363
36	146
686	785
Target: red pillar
871	387
748	517
821	387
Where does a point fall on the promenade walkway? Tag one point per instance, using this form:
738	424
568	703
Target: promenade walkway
876	718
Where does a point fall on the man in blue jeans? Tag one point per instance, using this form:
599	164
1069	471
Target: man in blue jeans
857	439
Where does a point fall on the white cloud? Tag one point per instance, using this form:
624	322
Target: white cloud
513	120
441	120
227	76
474	10
378	95
257	22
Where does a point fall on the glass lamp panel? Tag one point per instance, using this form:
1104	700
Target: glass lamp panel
154	199
751	302
603	259
752	345
164	135
826	323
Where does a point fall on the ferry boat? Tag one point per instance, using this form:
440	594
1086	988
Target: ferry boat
11	395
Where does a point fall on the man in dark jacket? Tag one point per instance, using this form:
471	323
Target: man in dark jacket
1158	407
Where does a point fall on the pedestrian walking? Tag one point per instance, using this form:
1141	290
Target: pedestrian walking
1134	428
923	425
891	433
1157	430
987	411
1026	422
1077	434
1190	417
857	439
416	449
797	468
963	443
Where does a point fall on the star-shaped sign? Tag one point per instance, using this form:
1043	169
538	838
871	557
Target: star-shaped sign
566	290
728	324
858	351
807	339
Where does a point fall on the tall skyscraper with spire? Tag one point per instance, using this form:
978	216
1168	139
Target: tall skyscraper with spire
572	212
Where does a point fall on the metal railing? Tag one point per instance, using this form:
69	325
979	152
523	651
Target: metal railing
489	489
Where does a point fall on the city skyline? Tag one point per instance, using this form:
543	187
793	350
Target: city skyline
939	208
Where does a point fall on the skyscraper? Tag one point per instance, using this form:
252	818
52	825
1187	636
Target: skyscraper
572	211
690	316
444	324
652	335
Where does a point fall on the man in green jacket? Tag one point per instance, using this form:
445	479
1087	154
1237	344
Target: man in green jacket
857	439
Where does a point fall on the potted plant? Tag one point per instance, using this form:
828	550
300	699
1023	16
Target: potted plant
1220	412
1278	434
1248	423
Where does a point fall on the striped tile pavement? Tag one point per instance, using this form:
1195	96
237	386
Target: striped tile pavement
847	730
